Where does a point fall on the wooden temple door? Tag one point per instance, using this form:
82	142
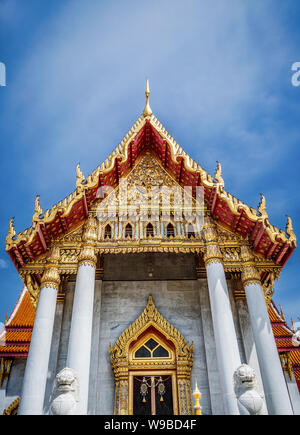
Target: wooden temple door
153	395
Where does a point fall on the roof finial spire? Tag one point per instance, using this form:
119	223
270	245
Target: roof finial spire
147	110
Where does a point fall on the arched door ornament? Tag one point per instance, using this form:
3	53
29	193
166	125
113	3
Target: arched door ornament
180	360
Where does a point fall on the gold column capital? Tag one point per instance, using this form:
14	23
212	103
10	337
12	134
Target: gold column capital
212	252
51	276
88	255
250	273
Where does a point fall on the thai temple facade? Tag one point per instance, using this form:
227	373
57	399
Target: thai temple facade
147	287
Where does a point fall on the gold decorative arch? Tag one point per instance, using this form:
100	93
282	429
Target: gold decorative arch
151	322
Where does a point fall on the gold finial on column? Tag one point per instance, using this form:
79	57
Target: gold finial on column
197	395
147	111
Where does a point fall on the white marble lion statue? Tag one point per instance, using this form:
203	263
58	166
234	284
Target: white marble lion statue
246	388
65	394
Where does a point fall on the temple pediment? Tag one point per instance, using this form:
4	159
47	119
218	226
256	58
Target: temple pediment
148	135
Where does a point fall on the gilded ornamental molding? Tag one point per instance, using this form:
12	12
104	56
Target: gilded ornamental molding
229	251
152	317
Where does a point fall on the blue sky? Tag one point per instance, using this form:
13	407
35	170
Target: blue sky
220	79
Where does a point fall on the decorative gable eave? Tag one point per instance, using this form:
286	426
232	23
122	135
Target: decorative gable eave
149	133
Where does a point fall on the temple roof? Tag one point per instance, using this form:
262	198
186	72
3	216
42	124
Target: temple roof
16	334
149	135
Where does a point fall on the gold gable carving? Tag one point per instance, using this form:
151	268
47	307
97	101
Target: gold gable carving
147	174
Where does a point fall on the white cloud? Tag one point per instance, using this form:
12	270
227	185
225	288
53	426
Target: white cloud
3	264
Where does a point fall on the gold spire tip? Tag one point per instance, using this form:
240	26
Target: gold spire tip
147	110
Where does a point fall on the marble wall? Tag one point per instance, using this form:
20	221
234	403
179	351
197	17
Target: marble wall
127	283
120	298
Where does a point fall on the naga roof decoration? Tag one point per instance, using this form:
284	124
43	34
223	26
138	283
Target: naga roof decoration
149	135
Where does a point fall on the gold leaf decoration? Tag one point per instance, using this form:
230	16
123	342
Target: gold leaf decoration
289	231
79	177
38	211
218	176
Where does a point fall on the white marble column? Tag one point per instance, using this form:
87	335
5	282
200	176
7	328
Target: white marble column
65	327
249	346
79	350
225	336
52	365
35	377
80	339
275	388
227	350
96	379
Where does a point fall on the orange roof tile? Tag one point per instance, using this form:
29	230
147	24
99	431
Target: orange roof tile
23	314
16	334
283	338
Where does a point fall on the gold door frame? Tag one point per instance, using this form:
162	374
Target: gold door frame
180	362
